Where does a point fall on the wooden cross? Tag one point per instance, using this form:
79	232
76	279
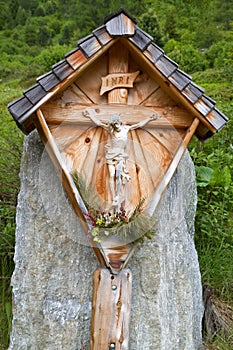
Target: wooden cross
112	292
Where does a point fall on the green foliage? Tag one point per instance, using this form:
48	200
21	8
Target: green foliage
21	16
40	12
213	177
5	304
36	31
188	57
170	26
220	54
225	10
149	23
218	85
50	7
223	341
18	69
10	154
214	220
207	35
28	5
51	55
66	33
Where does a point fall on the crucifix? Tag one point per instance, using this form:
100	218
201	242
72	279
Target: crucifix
116	153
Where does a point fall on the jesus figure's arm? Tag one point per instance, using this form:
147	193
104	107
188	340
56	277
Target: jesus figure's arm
97	122
144	122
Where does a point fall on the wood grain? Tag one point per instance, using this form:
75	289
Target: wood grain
118	63
120	25
172	167
73	94
111	310
71	113
144	87
153	151
76	59
90	81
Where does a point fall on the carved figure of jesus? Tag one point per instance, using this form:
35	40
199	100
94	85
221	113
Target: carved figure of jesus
116	154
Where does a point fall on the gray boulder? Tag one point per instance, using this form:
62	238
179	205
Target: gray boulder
52	281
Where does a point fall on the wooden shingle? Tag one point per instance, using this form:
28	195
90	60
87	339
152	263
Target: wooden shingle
20	106
75	58
153	52
89	45
203	107
62	69
193	92
120	25
102	35
217	119
208	100
141	39
166	66
179	79
48	80
35	93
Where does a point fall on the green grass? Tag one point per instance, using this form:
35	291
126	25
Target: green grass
10	152
221	342
5	302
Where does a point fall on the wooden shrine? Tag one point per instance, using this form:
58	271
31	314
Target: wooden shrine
115	116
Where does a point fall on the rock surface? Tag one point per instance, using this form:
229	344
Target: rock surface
52	281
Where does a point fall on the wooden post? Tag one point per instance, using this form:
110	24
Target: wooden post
111	310
118	63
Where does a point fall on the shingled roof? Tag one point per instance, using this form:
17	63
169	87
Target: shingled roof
118	25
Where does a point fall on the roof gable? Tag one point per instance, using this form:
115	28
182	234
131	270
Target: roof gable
119	26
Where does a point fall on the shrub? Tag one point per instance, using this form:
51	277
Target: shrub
188	58
50	56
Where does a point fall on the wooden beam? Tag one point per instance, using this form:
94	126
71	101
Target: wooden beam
56	114
111	310
118	63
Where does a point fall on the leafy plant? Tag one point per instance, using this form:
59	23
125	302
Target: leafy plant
214	219
207	176
51	55
189	58
104	223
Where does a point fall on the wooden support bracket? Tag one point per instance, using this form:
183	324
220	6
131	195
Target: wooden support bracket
111	310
